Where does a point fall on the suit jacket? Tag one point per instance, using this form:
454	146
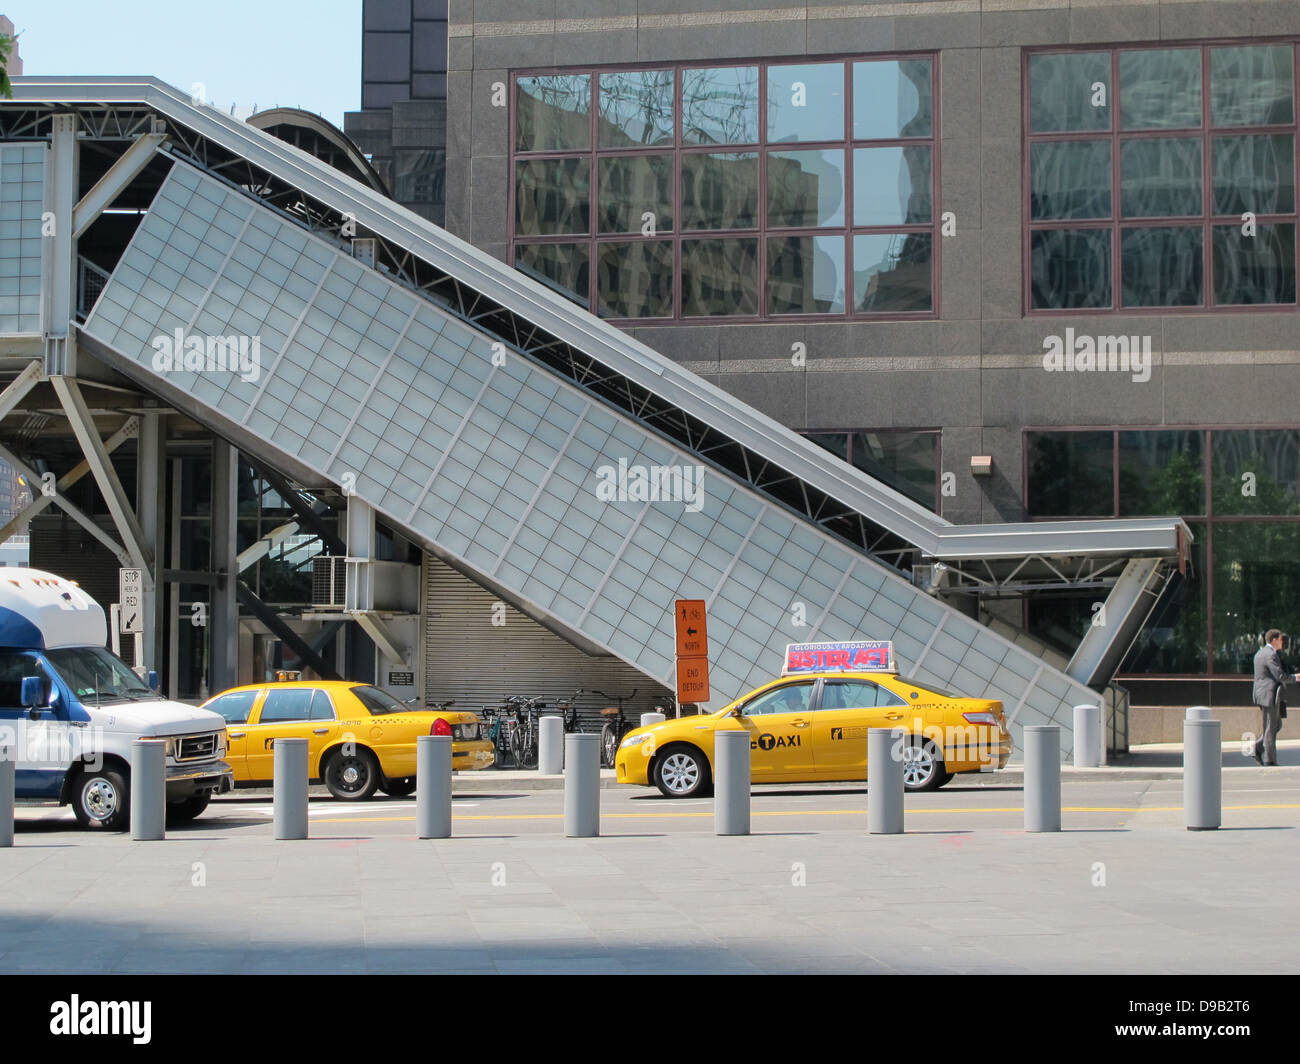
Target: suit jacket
1269	676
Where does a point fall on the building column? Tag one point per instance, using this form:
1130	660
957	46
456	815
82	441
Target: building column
223	618
150	494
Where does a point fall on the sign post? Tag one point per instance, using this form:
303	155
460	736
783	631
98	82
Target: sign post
692	651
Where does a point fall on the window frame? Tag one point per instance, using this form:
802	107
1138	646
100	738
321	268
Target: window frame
761	232
1115	224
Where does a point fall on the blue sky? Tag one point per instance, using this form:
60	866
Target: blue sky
287	53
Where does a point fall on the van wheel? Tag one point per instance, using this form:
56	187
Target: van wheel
101	799
187	809
352	777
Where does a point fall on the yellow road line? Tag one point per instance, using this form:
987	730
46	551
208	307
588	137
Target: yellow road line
796	812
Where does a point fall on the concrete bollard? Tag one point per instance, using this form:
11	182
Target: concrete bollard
1199	713
884	783
1202	774
1042	777
1087	736
290	788
652	718
550	744
8	771
433	787
731	783
581	786
148	790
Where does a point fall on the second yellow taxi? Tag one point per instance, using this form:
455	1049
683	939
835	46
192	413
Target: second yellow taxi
360	738
812	723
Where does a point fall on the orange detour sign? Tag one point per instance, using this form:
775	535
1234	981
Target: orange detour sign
692	651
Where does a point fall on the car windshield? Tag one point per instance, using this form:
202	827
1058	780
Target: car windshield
96	676
379	701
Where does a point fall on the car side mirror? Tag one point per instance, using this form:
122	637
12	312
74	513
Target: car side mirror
34	695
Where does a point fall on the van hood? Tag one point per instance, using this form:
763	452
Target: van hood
160	718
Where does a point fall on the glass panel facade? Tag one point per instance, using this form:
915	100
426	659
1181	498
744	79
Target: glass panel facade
775	189
906	460
1228	158
1239	492
635	279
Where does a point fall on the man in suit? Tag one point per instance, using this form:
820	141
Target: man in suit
1269	680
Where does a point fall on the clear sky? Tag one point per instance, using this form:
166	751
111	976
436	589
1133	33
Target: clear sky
286	53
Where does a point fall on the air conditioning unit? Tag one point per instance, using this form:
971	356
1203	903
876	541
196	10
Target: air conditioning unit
328	580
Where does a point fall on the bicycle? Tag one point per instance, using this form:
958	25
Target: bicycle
523	736
498	729
568	709
616	726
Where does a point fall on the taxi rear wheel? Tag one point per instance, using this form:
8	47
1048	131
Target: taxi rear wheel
351	777
683	772
399	788
922	766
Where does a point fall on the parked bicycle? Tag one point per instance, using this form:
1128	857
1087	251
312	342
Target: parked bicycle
498	725
616	726
523	736
568	709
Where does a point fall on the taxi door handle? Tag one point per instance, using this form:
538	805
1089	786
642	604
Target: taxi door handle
236	735
893	716
320	731
800	723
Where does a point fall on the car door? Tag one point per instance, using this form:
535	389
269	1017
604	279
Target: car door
779	722
236	707
848	707
285	714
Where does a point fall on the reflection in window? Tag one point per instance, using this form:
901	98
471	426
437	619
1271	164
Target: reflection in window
1162	267
552	112
635	279
892	186
892	98
563	267
719	277
1254	269
805	102
636	108
805	275
805	188
1071	268
720	105
1161	473
1069	92
1071	474
636	194
904	459
1252	169
1255	471
891	272
720	190
1256	586
551	196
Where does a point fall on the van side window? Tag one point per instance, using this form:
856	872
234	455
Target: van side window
14	665
236	706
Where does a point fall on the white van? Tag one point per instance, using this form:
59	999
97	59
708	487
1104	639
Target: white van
70	709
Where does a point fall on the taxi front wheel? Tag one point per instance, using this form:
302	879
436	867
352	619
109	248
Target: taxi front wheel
683	772
922	766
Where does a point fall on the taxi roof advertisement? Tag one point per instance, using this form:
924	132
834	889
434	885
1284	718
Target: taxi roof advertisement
865	655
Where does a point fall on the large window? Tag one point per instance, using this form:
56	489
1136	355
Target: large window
1238	490
1161	177
907	460
739	191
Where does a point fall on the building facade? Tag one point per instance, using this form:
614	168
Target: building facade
1062	237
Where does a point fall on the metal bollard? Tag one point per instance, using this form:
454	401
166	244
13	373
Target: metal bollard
1087	736
884	784
652	718
1202	774
1199	713
1042	777
8	770
731	783
433	787
550	744
581	786
148	790
290	788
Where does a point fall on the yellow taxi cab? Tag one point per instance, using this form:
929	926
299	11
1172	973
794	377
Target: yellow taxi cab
811	725
359	738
